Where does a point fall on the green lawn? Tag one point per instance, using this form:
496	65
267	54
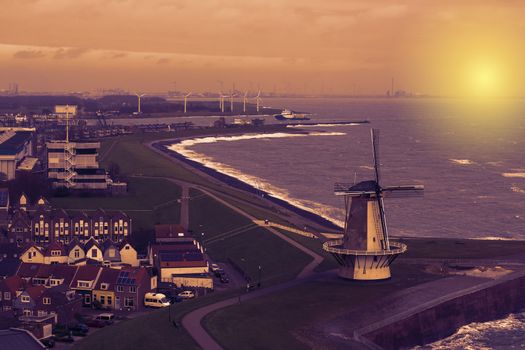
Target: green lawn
250	249
271	322
150	331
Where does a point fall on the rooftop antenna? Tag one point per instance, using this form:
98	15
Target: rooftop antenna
139	97
186	100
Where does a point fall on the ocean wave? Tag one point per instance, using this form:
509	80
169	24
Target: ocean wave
505	333
462	161
517	189
519	175
332	214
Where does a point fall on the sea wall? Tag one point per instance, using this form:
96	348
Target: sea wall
441	318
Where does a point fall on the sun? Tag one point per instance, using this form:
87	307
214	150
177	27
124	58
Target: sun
484	79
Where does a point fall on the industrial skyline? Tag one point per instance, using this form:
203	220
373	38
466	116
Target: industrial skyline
340	47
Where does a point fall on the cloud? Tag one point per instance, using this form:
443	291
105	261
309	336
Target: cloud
28	54
119	55
69	53
163	60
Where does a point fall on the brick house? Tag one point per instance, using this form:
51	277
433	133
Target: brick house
85	281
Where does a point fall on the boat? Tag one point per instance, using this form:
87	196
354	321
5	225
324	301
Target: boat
288	114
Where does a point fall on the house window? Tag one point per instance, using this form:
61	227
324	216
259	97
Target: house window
111	253
0	296
104	286
87	299
7	308
94	252
42	313
25	299
28	312
110	300
47	301
102	299
77	253
120	289
83	284
55	253
132	289
128	302
127	247
7	295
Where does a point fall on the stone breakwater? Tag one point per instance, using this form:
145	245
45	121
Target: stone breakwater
441	317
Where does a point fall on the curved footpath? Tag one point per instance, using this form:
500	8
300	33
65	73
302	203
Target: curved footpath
192	321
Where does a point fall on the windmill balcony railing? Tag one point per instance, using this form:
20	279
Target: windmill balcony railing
334	246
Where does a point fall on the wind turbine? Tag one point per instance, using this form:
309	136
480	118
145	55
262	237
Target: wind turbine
258	100
244	101
139	97
221	100
186	100
232	95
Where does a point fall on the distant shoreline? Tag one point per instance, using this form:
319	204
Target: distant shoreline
161	145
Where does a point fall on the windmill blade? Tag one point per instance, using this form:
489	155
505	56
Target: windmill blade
403	191
374	133
382	216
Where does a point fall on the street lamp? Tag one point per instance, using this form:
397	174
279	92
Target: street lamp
260	272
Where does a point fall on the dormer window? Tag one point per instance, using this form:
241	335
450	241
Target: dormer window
83	284
104	286
47	301
94	253
25	299
55	253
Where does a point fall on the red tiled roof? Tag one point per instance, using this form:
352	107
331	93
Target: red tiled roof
12	284
109	276
85	273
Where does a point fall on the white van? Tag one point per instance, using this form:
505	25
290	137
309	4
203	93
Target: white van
156	300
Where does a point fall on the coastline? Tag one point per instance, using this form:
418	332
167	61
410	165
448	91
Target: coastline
161	146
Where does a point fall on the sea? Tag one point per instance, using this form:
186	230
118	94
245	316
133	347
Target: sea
469	155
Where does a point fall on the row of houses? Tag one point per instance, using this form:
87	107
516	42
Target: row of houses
42	224
39	290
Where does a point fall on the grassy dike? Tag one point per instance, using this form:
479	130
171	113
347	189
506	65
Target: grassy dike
249	249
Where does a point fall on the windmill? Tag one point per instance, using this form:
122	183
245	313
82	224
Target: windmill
139	97
186	100
365	252
244	99
258	100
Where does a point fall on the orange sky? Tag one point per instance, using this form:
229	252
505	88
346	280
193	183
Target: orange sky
339	46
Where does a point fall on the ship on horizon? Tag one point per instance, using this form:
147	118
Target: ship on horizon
288	114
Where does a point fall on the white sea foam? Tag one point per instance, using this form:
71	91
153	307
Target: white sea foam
462	161
320	124
505	333
519	175
183	148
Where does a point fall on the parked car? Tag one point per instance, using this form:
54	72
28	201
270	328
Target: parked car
225	279
214	267
175	299
106	316
187	294
96	323
219	272
156	300
48	342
